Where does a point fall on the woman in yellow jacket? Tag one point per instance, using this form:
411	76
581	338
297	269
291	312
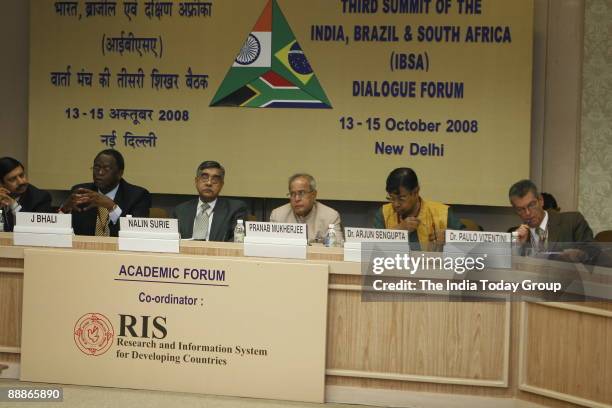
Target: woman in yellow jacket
425	220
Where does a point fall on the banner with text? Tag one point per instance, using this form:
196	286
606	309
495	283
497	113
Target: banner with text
345	90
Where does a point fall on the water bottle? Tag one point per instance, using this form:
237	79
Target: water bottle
1	221
330	236
239	231
515	246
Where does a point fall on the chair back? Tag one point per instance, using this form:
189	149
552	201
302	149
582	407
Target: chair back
470	225
604	236
158	213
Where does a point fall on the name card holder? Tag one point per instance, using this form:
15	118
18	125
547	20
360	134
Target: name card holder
149	235
495	245
43	230
354	237
275	240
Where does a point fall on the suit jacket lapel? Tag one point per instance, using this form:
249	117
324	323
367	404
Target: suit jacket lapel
217	230
553	227
120	194
26	201
189	218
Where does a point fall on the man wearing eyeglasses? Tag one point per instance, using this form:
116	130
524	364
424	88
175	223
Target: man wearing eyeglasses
425	220
303	208
209	217
17	194
96	207
541	229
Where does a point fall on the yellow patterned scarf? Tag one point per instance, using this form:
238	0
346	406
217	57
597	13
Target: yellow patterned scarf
433	216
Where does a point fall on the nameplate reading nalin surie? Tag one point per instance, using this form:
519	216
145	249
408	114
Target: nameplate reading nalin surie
148	224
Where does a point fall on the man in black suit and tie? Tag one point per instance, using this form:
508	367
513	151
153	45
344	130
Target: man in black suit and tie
209	217
17	194
96	207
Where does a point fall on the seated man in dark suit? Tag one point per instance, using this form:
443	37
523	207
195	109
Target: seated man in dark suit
542	229
16	194
96	207
209	217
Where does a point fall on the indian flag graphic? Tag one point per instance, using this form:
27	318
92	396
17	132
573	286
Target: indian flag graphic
271	69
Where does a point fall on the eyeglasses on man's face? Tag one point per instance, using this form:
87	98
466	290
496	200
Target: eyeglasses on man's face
298	194
531	206
206	178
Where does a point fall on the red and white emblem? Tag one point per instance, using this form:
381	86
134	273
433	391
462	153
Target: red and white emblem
93	334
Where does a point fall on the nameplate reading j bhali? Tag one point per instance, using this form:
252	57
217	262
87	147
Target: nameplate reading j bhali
43	229
43	220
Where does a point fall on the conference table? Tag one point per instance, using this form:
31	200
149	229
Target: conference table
402	353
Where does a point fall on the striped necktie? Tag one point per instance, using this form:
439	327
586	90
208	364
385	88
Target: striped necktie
102	229
200	228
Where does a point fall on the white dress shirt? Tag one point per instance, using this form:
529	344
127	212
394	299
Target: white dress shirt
114	215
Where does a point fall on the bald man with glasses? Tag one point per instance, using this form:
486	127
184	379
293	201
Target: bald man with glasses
303	208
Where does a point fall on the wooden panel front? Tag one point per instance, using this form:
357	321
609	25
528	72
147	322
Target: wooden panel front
440	339
569	352
11	290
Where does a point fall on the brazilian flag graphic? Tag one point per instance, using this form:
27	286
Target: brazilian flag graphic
271	69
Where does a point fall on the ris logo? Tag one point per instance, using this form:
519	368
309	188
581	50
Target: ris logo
93	334
142	326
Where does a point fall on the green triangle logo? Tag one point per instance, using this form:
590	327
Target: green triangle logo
271	69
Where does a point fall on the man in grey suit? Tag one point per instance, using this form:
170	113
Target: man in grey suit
209	217
544	230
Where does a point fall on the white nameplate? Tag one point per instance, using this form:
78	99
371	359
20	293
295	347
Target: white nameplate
495	245
477	236
43	229
374	235
149	234
275	240
276	230
355	236
43	220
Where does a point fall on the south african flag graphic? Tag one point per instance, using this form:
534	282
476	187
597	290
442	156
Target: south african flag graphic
271	69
